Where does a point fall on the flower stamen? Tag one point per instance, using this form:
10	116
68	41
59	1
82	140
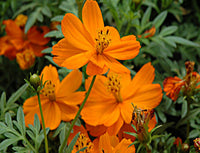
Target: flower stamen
82	142
49	91
114	86
102	40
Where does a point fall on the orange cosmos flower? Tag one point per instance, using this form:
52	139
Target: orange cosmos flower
17	39
92	43
172	87
111	144
189	84
58	99
110	101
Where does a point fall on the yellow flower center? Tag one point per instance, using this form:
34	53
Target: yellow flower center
102	40
114	86
82	142
49	91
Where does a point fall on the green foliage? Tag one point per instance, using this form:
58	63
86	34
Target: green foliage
15	131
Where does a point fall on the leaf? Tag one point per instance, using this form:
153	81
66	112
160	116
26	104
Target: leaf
183	41
17	94
146	17
20	121
58	18
81	150
3	128
194	133
169	41
3	102
184	108
151	4
24	8
47	50
193	113
168	30
72	143
46	11
54	33
37	123
4	144
159	19
132	134
40	17
8	120
32	19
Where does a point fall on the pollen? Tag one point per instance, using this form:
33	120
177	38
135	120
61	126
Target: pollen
114	86
102	40
49	91
83	142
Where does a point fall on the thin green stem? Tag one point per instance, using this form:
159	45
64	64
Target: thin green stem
30	146
63	145
188	122
43	125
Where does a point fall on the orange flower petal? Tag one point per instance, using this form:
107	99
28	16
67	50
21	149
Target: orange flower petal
52	115
73	29
32	103
68	112
93	69
67	86
96	131
129	37
107	113
104	143
115	66
148	96
76	61
37	49
67	47
50	73
29	117
123	147
92	17
36	35
75	98
126	111
172	87
123	50
144	76
114	129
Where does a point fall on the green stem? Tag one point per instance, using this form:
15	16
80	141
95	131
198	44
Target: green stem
43	125
188	122
30	146
63	145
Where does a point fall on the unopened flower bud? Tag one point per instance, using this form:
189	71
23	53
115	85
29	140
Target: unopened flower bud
185	147
35	80
197	144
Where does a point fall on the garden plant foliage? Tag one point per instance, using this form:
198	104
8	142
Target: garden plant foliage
100	76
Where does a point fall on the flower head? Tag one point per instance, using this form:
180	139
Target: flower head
197	144
148	33
111	98
92	43
16	41
189	84
59	100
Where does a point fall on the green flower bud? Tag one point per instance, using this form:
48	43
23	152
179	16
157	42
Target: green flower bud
35	81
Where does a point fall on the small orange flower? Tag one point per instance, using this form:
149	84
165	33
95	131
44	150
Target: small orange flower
19	41
172	87
148	33
92	43
58	99
189	84
178	141
111	144
26	59
110	101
